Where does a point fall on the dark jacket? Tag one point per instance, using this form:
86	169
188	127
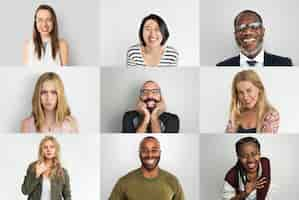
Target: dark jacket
32	186
269	60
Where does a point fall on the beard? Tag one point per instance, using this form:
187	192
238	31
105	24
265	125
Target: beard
150	108
147	166
251	53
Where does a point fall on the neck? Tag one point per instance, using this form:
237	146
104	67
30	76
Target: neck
152	50
45	38
150	174
48	162
50	117
253	54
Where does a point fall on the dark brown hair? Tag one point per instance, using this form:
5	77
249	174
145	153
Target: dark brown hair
37	40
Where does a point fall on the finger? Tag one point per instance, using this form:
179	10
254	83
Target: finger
261	183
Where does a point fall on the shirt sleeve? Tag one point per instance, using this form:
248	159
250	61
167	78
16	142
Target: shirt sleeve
127	124
228	191
172	124
117	193
66	191
30	182
180	193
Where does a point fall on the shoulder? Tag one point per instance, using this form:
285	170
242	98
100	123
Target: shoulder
27	124
70	124
271	115
167	115
129	176
231	176
134	49
234	61
31	166
275	60
131	114
63	43
170	178
171	50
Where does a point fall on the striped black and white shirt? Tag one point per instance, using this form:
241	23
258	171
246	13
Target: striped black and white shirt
135	59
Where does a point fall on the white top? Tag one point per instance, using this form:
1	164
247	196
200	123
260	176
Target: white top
46	189
46	58
135	59
259	59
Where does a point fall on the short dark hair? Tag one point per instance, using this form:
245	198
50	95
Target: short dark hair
246	140
162	26
148	138
247	12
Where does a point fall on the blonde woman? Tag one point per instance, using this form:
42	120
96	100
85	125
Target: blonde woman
45	47
250	111
50	111
46	179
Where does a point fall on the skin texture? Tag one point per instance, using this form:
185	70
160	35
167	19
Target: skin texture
144	108
44	24
150	156
250	158
152	51
249	40
49	153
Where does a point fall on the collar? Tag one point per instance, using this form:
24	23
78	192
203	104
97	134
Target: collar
259	59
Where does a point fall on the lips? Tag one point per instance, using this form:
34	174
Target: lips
251	165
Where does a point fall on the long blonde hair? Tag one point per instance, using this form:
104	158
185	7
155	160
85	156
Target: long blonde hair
62	108
56	169
262	105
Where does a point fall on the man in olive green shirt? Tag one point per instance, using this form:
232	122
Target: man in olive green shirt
148	182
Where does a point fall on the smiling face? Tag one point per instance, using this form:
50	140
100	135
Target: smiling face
149	154
48	96
249	157
48	150
152	35
44	22
248	94
150	94
249	34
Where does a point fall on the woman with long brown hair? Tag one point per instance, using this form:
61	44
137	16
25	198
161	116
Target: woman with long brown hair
46	179
45	47
250	111
50	110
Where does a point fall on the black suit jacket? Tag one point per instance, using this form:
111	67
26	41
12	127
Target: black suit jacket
269	60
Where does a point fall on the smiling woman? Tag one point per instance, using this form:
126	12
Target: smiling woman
250	177
250	111
152	51
45	47
50	111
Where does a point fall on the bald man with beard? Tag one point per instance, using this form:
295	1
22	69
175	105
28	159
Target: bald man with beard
148	182
150	115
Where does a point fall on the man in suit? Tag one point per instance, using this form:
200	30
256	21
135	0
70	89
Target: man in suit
249	35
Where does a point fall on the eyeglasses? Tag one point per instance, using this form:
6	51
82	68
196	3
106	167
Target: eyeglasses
148	91
253	25
152	151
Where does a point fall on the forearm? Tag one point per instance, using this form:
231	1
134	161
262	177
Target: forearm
142	127
155	125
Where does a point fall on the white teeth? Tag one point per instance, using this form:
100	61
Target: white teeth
249	40
152	161
251	165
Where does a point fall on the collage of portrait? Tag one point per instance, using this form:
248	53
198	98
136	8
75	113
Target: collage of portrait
149	100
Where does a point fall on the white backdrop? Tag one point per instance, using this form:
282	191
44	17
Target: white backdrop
120	91
81	88
18	151
120	21
281	87
78	24
217	156
179	156
217	40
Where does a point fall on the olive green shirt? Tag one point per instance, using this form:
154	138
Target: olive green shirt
134	186
32	186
